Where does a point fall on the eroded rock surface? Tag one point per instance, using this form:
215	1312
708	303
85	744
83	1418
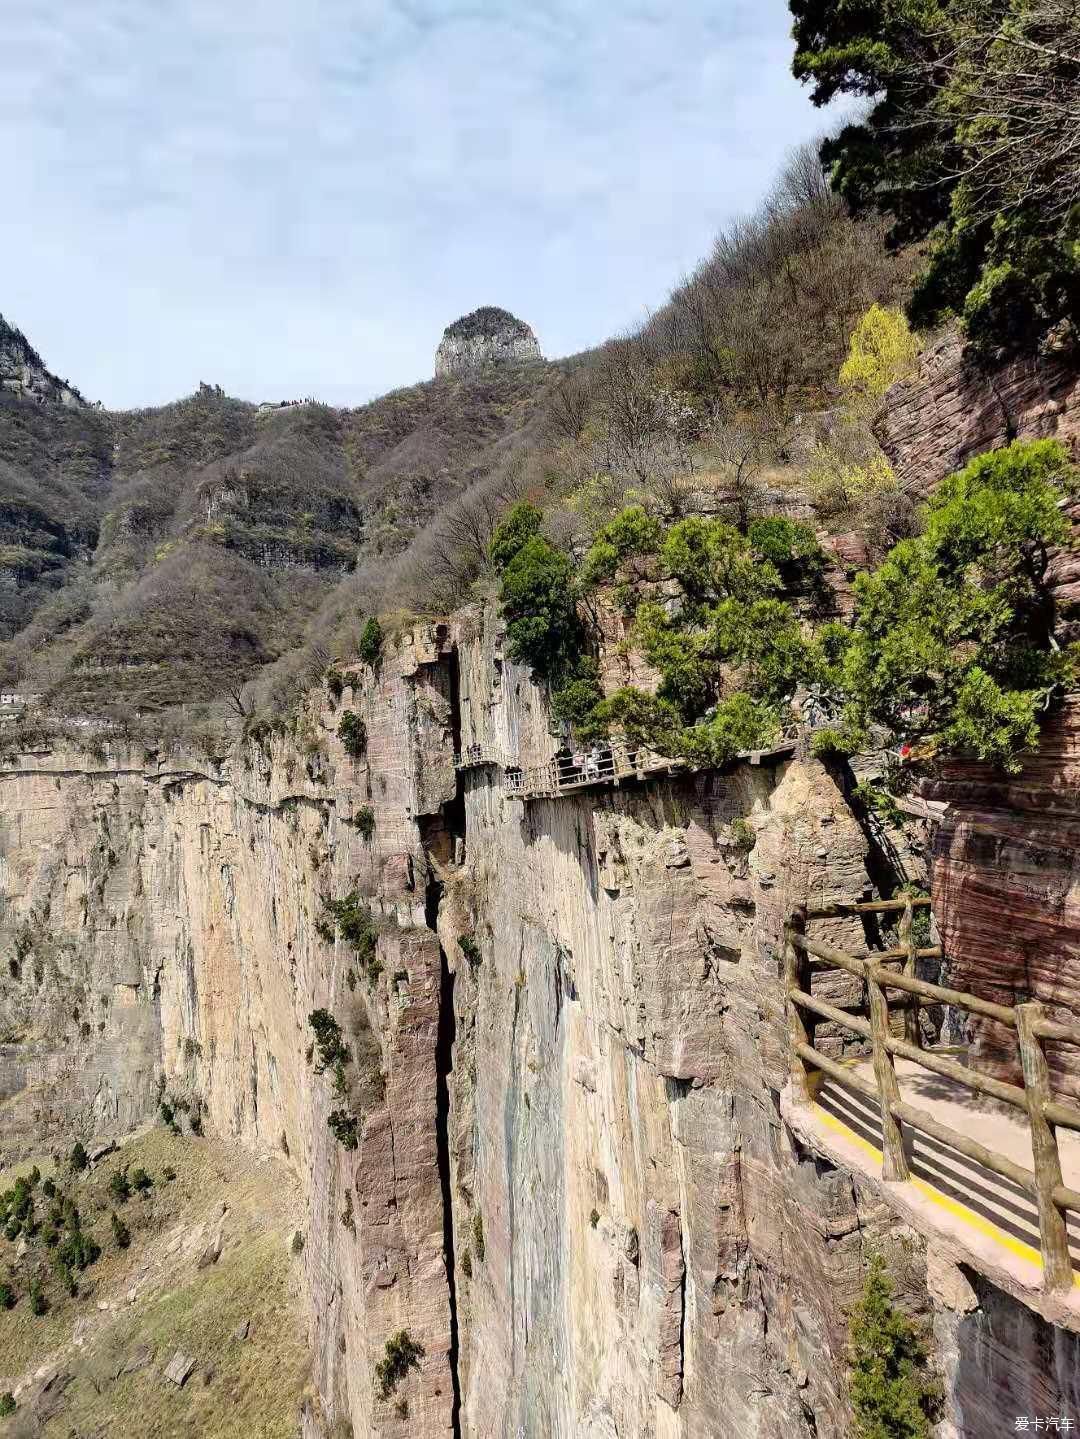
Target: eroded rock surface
572	1184
952	410
487	336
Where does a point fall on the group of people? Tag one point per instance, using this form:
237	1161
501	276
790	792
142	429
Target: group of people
571	766
575	768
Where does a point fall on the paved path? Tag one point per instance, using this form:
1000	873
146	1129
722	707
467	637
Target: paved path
967	1198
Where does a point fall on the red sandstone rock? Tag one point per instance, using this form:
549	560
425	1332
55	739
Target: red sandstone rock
1006	887
935	422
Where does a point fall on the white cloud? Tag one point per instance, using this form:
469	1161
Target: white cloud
289	196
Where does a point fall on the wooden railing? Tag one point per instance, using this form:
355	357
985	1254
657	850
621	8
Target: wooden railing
1034	1097
603	764
474	755
609	764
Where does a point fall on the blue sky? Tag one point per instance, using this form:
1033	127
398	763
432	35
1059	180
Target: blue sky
292	197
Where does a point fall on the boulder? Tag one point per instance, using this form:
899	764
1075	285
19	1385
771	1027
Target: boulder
179	1368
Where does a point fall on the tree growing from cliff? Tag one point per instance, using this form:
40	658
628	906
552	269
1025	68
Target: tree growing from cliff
402	1353
332	1048
953	635
970	140
892	1392
370	644
344	1127
539	594
353	734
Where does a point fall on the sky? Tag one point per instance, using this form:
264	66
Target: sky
294	197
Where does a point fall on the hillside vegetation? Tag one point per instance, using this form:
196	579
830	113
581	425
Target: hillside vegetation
206	556
165	557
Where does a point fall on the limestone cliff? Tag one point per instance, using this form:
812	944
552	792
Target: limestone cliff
573	1185
23	372
487	336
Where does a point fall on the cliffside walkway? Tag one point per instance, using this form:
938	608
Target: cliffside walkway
999	1172
591	769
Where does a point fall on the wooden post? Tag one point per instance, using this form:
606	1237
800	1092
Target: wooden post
894	1163
800	1024
911	1015
1053	1236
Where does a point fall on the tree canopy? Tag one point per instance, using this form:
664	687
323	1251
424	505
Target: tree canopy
970	141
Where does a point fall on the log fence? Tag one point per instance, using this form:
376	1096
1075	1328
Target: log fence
608	764
1044	1112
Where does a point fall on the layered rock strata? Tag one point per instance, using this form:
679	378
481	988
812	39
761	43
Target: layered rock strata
572	1184
952	409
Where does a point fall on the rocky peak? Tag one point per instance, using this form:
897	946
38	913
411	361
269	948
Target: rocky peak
487	336
23	372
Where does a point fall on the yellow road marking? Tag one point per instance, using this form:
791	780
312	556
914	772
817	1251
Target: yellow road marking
951	1206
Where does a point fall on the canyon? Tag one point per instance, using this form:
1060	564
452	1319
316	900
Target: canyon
573	1186
576	1187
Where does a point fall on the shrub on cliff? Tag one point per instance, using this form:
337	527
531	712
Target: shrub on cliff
470	949
364	820
402	1353
7	1404
892	1392
370	644
355	924
353	734
343	1126
78	1159
712	561
332	1048
121	1233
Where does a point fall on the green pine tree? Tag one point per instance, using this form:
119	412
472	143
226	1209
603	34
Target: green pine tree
892	1392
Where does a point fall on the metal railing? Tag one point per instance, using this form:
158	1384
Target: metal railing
1034	1097
606	764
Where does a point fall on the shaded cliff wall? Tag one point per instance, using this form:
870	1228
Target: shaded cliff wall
1006	885
165	919
1006	868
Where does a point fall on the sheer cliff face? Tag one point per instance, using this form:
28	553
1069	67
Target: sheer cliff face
23	373
572	1184
953	409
